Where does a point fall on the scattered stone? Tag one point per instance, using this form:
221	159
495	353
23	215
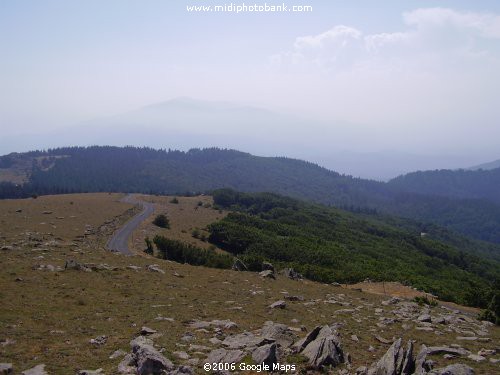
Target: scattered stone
294	298
176	274
476	358
484	352
154	268
7	247
467	338
37	370
267	274
74	265
135	268
98	341
392	301
278	305
354	338
47	212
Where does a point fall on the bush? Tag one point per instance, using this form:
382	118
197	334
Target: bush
195	233
183	253
174	200
149	246
161	221
424	300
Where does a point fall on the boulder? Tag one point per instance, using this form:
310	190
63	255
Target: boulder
322	348
425	318
98	341
127	365
266	354
396	361
149	360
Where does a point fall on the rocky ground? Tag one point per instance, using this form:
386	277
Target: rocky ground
70	307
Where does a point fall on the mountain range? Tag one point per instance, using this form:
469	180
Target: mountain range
429	197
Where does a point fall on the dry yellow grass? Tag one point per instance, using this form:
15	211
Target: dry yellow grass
185	216
51	316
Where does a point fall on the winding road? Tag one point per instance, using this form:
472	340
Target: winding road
119	240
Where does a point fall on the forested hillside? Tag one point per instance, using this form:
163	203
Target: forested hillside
146	170
477	184
328	244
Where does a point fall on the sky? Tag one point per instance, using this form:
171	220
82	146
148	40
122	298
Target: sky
421	77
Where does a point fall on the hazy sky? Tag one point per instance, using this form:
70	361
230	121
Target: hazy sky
417	76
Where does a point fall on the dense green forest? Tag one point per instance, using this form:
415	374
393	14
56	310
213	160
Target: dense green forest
328	244
478	184
145	170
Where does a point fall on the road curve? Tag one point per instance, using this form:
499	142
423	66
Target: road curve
119	240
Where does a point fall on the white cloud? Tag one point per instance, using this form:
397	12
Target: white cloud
433	32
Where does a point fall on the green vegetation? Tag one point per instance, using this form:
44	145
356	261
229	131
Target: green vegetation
424	300
327	244
174	200
168	172
161	221
149	246
180	252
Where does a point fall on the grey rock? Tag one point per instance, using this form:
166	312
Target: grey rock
186	370
266	354
456	369
117	353
266	266
6	368
74	265
279	333
267	274
425	318
181	355
431	350
396	361
154	268
149	360
324	351
37	370
278	305
127	365
100	340
476	358
91	372
241	340
225	356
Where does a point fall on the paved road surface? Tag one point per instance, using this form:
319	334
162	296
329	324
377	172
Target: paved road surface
119	240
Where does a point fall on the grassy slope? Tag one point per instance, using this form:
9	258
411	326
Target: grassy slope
51	316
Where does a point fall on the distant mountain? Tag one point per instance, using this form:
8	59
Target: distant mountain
487	166
462	184
185	123
146	170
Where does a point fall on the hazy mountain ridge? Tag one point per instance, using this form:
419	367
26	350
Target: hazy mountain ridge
463	184
147	170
